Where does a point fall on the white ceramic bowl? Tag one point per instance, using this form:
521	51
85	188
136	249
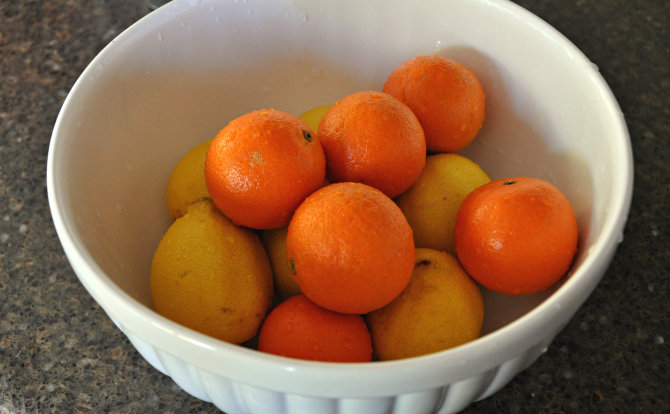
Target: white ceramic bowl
181	73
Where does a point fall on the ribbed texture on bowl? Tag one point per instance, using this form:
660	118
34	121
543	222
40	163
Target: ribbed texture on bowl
234	397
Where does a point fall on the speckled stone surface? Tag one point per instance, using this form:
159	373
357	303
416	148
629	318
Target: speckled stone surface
59	353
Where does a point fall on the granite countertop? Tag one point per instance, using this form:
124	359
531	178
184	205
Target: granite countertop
59	353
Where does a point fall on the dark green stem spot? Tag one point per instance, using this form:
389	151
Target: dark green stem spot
307	135
291	263
422	263
509	182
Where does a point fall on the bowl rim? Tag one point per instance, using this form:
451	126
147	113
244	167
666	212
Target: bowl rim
423	371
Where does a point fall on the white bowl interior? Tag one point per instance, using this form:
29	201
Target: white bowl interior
180	74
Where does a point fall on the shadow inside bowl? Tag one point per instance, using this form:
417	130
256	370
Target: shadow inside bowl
144	120
507	146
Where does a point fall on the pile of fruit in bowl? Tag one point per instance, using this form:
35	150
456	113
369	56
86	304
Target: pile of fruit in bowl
362	236
264	200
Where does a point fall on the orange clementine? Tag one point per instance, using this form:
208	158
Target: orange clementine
373	138
516	235
350	247
445	95
298	328
261	166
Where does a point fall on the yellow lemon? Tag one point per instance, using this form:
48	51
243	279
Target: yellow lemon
275	244
212	276
187	181
431	204
313	116
440	308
